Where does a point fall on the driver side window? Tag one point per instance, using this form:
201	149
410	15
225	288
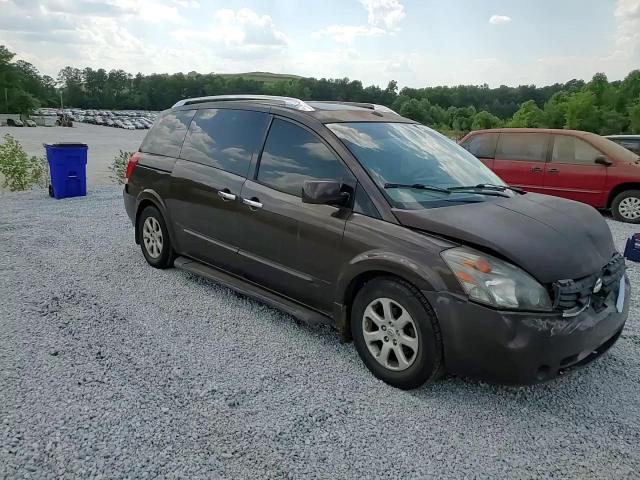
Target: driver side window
292	155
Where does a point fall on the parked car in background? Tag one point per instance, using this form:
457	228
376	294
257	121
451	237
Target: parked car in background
576	165
30	123
630	142
14	122
352	215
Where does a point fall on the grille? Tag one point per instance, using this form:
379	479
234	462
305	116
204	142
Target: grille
573	296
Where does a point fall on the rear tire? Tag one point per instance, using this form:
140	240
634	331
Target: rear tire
396	333
626	206
154	239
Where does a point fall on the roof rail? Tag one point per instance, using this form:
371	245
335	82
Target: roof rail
294	103
370	106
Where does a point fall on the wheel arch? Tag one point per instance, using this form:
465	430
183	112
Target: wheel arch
151	198
364	271
618	189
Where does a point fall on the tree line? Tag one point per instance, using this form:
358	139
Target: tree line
598	106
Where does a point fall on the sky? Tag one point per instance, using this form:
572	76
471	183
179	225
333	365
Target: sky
415	42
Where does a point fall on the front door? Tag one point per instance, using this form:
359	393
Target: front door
207	182
573	173
288	246
520	159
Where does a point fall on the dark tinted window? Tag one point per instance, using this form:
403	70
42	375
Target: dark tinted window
482	145
364	205
292	155
167	135
528	147
225	139
568	149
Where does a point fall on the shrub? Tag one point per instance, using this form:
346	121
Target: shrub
119	166
20	171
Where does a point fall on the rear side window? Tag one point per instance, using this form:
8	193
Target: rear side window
292	155
526	147
568	149
482	145
225	139
167	135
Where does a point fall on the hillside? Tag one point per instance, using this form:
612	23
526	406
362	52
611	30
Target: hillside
265	77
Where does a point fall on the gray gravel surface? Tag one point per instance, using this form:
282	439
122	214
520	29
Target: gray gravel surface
111	369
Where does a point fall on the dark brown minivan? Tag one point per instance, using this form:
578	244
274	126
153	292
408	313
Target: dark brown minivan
352	215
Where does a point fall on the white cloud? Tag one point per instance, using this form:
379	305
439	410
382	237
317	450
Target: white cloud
153	12
347	33
385	14
627	15
238	33
187	3
499	19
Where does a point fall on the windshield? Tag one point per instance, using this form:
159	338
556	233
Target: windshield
409	154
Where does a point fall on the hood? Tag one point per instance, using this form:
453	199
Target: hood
549	237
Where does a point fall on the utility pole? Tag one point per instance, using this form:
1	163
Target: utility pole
61	107
6	99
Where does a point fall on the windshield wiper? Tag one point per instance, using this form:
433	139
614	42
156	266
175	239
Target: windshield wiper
487	186
417	186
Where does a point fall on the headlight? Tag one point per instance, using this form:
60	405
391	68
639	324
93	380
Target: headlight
493	281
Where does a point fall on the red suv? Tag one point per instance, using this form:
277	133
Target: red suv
576	165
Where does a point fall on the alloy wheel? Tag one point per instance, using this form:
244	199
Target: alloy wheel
152	237
390	334
629	208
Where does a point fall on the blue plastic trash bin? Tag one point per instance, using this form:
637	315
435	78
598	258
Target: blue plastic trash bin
68	167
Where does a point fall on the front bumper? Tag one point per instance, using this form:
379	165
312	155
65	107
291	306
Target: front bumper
519	348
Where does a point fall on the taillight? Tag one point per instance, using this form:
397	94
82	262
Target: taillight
133	161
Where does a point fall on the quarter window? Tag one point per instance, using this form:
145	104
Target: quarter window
167	135
482	145
292	155
567	149
225	139
527	147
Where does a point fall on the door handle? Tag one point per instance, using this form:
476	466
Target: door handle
253	204
536	170
226	195
553	171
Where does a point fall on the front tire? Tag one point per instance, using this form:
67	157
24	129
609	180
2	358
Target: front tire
154	238
626	206
396	333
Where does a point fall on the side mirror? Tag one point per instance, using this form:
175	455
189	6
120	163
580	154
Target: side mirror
324	192
603	161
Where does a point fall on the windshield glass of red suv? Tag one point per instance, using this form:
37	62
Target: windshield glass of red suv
405	154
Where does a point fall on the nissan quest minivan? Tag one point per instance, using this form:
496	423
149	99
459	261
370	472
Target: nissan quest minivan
352	215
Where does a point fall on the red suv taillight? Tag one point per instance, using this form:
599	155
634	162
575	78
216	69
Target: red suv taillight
133	161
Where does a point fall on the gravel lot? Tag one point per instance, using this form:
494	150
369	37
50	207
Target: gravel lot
104	143
111	369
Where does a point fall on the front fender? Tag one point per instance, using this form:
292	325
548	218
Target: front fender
430	274
424	276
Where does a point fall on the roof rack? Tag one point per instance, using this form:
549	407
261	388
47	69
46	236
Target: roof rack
294	103
370	106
